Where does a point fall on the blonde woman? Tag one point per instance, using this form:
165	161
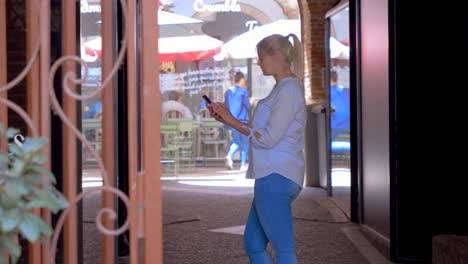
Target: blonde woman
276	134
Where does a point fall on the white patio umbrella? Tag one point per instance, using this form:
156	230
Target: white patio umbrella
168	18
338	50
244	45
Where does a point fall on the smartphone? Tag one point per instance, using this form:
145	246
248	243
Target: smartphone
207	99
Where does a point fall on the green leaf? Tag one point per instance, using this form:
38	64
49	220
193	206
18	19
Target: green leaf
34	226
37	203
34	144
8	224
25	184
15	150
11	132
6	202
42	195
43	227
60	199
32	181
14	249
17	168
3	168
39	158
49	198
14	259
42	171
9	221
15	189
4	158
29	229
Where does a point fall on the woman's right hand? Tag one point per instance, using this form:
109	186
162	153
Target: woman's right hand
220	112
213	114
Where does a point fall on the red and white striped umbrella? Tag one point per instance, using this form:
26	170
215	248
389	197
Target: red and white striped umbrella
187	48
176	42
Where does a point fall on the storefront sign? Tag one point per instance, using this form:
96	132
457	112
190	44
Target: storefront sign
228	6
251	24
85	7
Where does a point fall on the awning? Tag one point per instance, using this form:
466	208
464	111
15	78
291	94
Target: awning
178	40
188	48
92	50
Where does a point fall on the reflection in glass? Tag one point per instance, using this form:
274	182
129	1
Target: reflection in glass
91	113
339	89
210	48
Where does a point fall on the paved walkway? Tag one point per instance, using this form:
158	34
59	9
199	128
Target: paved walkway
204	215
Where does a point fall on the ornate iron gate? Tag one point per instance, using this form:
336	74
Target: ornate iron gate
138	50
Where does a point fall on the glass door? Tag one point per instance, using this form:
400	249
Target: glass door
338	83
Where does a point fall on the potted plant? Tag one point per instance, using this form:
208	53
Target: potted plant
24	185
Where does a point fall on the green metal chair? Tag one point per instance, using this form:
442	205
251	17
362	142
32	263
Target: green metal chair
185	143
169	150
213	140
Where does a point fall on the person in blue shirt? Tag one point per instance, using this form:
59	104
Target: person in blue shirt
91	111
276	158
236	98
339	97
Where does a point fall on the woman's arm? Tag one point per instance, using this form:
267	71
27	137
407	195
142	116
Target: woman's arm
279	119
221	113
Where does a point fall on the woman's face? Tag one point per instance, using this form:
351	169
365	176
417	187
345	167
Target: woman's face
270	63
265	62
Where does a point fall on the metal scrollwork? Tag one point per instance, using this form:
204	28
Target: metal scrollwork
70	78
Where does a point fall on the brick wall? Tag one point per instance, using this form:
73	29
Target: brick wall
314	41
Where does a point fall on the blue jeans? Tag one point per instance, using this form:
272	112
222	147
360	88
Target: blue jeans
270	220
239	142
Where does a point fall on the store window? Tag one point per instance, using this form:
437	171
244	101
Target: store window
202	44
90	52
229	22
339	85
211	41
